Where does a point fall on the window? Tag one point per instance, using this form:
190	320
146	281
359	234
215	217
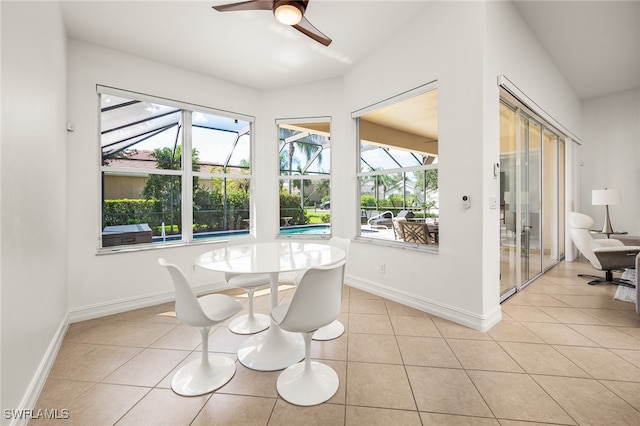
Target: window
143	170
398	171
305	168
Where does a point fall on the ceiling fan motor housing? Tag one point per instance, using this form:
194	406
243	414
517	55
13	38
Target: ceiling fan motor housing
289	12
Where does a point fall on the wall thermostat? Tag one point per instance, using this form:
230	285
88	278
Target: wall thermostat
466	201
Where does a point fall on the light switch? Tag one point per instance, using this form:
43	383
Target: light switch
493	203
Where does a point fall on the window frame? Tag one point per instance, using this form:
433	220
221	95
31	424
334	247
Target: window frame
186	173
305	177
356	115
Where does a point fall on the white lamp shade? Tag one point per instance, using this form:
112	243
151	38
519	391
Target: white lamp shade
606	197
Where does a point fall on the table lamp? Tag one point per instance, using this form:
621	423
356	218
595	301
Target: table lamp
606	197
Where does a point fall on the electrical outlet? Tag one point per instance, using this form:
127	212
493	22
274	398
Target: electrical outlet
382	268
194	268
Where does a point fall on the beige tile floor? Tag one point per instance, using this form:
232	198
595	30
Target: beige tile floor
565	353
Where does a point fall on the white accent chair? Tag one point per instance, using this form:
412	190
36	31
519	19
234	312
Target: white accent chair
250	323
315	303
604	254
210	372
336	328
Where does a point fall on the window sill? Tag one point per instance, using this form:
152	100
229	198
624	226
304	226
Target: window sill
304	237
105	251
398	244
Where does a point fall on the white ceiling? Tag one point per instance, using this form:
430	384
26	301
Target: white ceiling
245	47
596	44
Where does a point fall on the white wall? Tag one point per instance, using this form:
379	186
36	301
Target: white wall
611	157
444	42
34	194
99	283
320	99
464	46
513	51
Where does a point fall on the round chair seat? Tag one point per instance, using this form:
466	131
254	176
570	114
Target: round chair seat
246	324
249	280
330	331
307	388
251	323
194	379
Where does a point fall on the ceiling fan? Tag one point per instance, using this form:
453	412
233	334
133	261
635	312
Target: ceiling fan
287	12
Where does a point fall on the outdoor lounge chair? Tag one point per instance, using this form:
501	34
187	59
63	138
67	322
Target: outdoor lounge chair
382	220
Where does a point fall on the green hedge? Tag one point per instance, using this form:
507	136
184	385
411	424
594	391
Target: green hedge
290	207
128	211
209	213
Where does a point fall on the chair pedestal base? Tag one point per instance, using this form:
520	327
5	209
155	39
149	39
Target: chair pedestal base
305	388
329	332
246	324
608	278
194	379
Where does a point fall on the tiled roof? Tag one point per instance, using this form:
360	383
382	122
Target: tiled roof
135	160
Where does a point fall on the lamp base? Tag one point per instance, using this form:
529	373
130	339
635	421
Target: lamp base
607	228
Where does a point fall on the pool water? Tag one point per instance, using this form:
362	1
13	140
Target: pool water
291	230
306	230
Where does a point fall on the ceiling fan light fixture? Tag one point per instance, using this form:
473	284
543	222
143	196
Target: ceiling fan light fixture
288	12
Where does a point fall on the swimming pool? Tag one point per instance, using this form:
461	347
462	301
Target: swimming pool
315	230
322	229
306	230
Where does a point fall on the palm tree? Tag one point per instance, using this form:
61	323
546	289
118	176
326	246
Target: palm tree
307	143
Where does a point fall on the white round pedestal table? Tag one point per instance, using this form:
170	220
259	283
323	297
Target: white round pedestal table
273	349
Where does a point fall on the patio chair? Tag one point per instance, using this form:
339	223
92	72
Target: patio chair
381	220
434	233
415	232
397	229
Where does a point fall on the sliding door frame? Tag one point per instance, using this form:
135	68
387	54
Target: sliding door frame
526	117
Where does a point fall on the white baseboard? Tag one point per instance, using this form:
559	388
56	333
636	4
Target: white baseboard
98	310
451	313
36	385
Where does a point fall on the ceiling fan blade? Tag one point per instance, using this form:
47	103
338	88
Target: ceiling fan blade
307	29
245	5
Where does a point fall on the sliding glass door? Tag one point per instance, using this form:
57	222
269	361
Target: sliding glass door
532	198
509	184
